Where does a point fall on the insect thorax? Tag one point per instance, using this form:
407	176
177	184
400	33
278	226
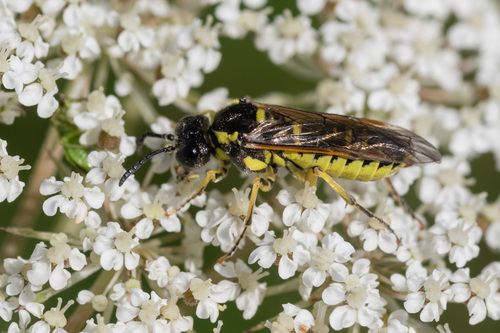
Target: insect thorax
226	135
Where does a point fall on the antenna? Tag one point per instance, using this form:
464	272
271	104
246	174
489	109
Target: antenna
140	142
137	165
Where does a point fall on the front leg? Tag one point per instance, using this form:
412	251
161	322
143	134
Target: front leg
213	176
260	183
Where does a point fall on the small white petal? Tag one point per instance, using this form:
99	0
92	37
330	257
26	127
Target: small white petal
85	296
334	294
287	268
111	259
59	277
94	197
387	241
414	302
31	94
430	313
47	106
77	260
292	214
342	317
131	260
50	186
51	204
477	310
144	228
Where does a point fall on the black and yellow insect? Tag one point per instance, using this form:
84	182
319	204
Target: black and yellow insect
259	138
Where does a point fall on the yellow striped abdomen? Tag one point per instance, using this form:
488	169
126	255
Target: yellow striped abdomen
338	167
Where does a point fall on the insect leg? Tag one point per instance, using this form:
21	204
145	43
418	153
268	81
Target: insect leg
349	199
403	203
260	183
213	176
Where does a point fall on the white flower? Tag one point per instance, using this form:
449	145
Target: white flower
99	302
20	326
115	247
253	293
224	227
398	322
153	211
178	78
303	208
77	36
107	168
202	44
399	93
444	185
47	265
134	35
20	74
161	271
10	185
429	294
428	8
213	100
97	108
100	119
208	296
456	237
373	234
332	49
51	320
287	36
357	298
328	259
172	320
480	294
291	253
7	306
237	22
292	319
311	7
341	97
492	235
75	199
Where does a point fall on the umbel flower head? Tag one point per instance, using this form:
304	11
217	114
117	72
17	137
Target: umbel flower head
256	214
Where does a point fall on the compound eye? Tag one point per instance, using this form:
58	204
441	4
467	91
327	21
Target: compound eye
193	156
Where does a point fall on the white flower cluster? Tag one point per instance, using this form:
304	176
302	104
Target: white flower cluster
149	247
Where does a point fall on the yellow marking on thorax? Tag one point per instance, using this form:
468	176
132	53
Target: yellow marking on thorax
261	115
367	171
336	167
233	137
254	164
222	137
323	162
278	160
352	169
221	154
